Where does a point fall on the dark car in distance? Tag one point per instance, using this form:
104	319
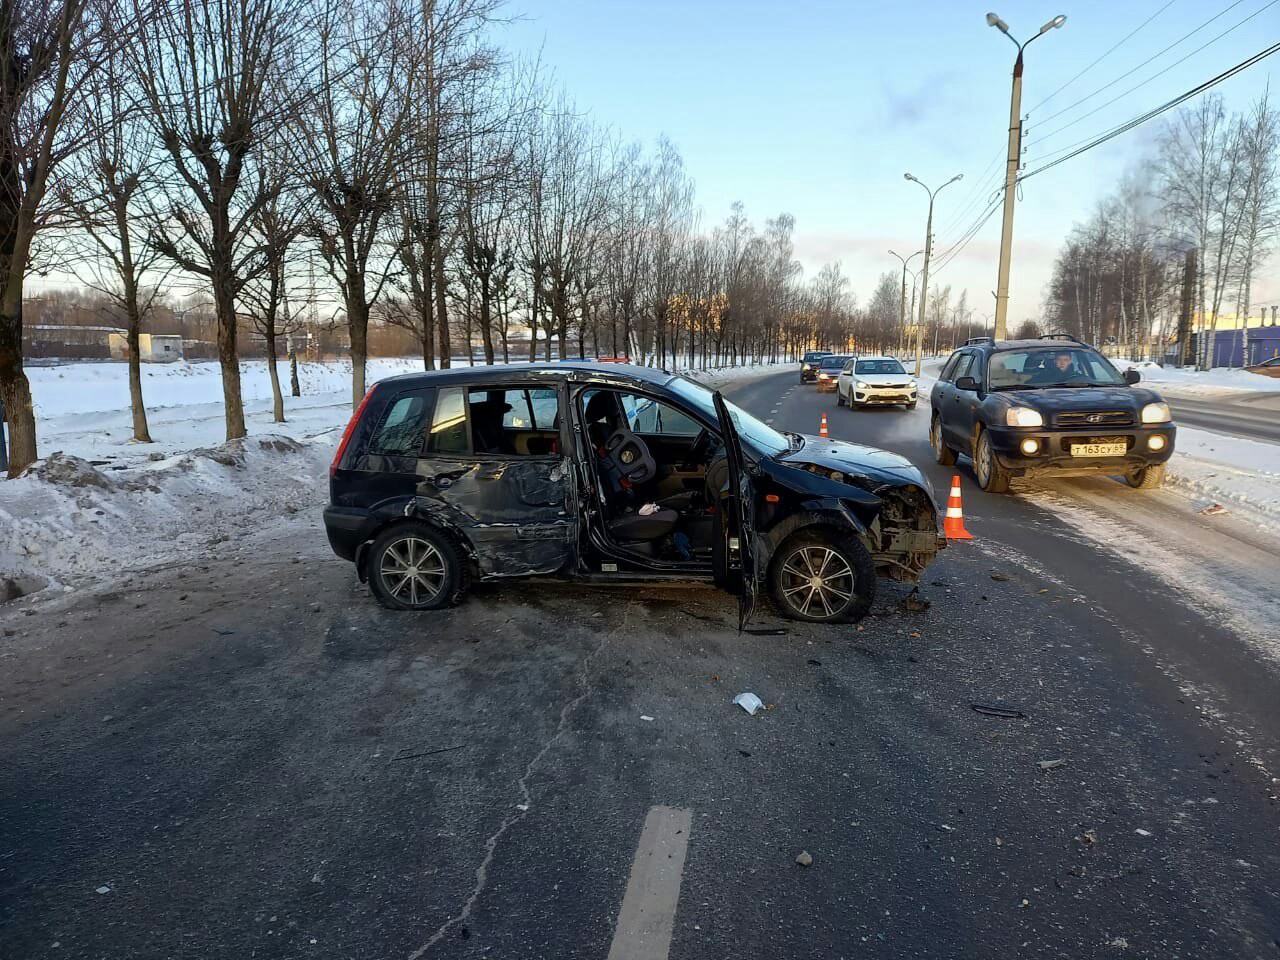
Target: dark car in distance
1053	406
610	472
829	368
809	365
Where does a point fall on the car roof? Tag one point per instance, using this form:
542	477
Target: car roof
876	357
1039	343
572	370
839	356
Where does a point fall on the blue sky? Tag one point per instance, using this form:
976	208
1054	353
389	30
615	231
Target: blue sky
817	107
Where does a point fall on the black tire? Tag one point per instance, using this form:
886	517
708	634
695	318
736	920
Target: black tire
839	398
1147	478
423	549
805	551
942	454
992	477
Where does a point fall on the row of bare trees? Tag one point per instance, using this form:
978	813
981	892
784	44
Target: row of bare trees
228	148
1210	186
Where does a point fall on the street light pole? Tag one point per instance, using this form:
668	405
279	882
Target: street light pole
924	269
902	301
1011	169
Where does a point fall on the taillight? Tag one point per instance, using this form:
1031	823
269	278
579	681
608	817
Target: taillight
346	434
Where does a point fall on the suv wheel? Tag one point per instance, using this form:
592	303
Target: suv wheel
839	398
992	477
413	566
1147	478
823	579
942	454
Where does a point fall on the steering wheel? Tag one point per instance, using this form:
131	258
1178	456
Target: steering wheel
699	449
630	456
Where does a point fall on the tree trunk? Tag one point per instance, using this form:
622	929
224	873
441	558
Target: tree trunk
295	389
277	398
132	336
229	360
358	328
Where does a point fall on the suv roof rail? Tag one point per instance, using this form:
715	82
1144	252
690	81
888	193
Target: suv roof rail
1063	336
973	340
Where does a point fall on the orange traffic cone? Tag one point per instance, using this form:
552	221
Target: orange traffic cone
953	525
822	427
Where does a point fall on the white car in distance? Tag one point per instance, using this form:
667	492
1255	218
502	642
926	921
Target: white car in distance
867	381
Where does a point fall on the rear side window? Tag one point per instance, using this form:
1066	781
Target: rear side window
403	427
449	422
948	372
963	365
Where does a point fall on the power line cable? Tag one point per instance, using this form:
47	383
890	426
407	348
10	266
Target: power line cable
1110	51
1154	76
1151	114
1132	71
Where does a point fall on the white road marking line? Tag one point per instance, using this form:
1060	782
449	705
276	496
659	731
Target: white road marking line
649	906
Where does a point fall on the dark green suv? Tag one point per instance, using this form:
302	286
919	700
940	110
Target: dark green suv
1053	406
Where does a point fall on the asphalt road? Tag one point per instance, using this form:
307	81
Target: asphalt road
1252	415
248	758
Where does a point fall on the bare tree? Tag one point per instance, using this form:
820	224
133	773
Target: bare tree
216	78
49	52
108	194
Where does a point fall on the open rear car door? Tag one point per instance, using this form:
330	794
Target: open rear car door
741	511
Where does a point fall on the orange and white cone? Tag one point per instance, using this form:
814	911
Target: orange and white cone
822	427
953	525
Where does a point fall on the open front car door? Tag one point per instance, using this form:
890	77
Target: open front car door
740	522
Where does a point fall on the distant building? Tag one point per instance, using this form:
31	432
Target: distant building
152	347
1239	347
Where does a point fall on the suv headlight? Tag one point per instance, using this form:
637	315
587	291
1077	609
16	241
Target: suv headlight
1023	417
805	367
861	385
1156	413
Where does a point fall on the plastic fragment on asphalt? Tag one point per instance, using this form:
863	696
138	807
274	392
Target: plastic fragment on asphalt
646	718
103	889
1004	713
749	702
804	859
522	807
1050	764
1142	833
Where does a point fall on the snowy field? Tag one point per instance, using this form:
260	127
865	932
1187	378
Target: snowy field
99	503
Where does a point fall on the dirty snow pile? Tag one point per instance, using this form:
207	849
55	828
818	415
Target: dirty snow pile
65	521
1228	470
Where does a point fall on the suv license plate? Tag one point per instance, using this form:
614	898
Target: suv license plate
1098	449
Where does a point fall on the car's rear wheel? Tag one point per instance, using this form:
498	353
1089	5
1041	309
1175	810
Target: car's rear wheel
942	454
413	566
992	477
823	578
1147	478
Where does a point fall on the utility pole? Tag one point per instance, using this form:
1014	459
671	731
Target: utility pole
902	301
924	270
1012	162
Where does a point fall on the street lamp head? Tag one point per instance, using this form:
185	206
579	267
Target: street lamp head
1054	24
907	176
994	21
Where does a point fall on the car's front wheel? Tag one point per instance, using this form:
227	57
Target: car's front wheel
823	578
942	454
992	477
1147	478
413	566
839	398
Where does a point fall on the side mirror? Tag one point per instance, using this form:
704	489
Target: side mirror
1131	377
967	383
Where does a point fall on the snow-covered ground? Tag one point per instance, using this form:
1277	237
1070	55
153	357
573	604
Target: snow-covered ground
1188	382
98	503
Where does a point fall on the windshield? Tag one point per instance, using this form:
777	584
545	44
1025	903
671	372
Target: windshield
760	437
879	366
813	355
1047	367
833	363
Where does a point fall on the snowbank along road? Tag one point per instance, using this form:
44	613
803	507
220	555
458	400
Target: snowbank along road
1070	752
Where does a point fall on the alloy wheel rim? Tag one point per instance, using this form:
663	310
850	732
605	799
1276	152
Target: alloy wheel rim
412	570
818	581
984	459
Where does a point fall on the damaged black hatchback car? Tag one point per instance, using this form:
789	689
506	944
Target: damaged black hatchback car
607	473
